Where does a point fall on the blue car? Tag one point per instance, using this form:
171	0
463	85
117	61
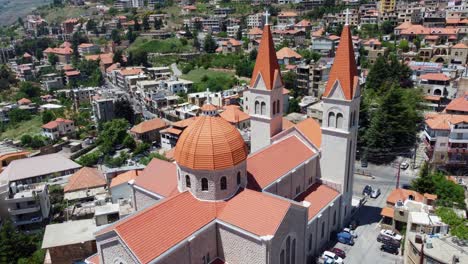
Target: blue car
345	238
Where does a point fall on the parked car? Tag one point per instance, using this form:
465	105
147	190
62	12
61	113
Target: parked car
404	165
340	253
345	238
375	193
389	249
390	233
348	230
387	240
367	190
406	186
331	255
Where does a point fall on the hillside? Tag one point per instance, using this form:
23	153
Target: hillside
10	10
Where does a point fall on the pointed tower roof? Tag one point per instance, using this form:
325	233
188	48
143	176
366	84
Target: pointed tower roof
344	69
267	63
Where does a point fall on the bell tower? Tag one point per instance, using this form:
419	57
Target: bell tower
341	101
264	99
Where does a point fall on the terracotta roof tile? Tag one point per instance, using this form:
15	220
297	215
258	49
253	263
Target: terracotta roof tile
106	58
287	124
443	121
318	195
94	259
159	177
153	231
85	178
184	123
210	143
24	101
150	125
430	196
171	130
287	53
434	77
311	130
72	73
266	65
233	114
209	107
255	31
344	68
286	155
432	98
387	211
403	195
287	14
458	104
460	46
125	177
131	71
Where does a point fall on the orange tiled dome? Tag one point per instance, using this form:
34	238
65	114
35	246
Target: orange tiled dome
210	143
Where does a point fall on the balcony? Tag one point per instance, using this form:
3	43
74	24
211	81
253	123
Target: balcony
32	220
458	150
456	162
24	210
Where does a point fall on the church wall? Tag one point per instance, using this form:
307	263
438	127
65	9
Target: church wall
179	255
143	200
259	132
293	225
236	247
112	250
214	177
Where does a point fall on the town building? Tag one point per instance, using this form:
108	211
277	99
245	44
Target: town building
120	188
88	48
63	53
446	139
58	128
387	5
286	19
288	56
103	109
229	46
255	20
148	131
70	241
45	167
85	184
218	203
28	204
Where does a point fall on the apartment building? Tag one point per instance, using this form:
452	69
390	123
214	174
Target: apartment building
287	18
312	78
58	128
446	139
255	20
28	205
103	109
387	5
88	48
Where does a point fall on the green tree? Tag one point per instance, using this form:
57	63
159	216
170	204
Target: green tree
47	116
136	26
129	142
145	23
118	57
289	80
18	115
196	42
15	245
123	109
387	27
253	54
239	33
115	36
91	25
52	58
458	225
377	75
131	36
112	134
90	159
294	106
404	45
26	140
210	45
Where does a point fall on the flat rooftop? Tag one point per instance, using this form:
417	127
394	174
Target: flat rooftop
442	248
69	233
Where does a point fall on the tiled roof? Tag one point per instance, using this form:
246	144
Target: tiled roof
106	58
61	51
72	73
318	195
125	177
233	114
287	14
85	45
153	231
387	211
159	177
344	68
171	130
94	259
442	121
210	143
403	194
24	101
404	25
85	178
267	64
458	104
287	53
131	71
184	123
209	107
303	23
287	124
432	98
147	126
255	31
68	67
311	130
430	196
434	77
285	155
460	46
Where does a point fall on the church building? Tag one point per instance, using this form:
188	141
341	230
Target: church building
278	203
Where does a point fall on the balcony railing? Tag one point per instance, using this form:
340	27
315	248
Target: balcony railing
29	221
24	210
456	162
458	150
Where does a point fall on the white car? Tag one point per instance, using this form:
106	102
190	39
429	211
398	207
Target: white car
351	232
390	233
333	256
375	193
404	165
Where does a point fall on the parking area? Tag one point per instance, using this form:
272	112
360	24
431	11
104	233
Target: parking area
366	248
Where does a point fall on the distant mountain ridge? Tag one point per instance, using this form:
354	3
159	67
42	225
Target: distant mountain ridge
10	10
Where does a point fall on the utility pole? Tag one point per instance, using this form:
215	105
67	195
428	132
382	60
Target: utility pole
398	175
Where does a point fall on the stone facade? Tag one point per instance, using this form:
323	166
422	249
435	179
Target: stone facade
112	250
71	253
143	199
236	177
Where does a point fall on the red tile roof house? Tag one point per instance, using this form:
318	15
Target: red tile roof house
148	131
58	128
63	53
219	204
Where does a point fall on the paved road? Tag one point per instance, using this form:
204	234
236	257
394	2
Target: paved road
175	70
366	248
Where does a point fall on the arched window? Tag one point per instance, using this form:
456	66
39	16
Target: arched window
187	181
323	230
288	250
331	119
263	109
204	184
257	107
293	252
310	242
238	178
282	257
274	108
339	120
334	218
223	183
278	106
